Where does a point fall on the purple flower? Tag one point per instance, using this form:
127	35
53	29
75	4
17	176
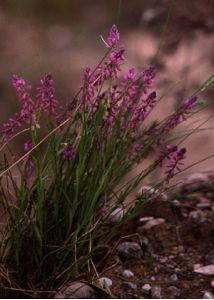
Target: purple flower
29	168
141	112
111	67
130	75
68	153
87	88
11	125
148	74
20	86
175	156
28	111
46	96
113	37
29	164
28	145
180	115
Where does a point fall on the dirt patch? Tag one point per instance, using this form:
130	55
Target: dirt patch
172	249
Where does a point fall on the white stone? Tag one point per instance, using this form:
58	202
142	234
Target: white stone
75	290
207	270
146	219
105	282
127	274
153	223
116	215
146	288
174	277
196	266
208	295
148	190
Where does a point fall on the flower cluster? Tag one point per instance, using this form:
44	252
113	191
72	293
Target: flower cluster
121	103
113	37
46	97
175	156
28	111
179	116
141	112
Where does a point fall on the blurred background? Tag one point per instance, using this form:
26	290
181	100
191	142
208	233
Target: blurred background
63	36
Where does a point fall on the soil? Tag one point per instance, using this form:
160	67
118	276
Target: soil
171	249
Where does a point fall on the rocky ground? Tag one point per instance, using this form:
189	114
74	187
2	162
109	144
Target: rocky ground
167	252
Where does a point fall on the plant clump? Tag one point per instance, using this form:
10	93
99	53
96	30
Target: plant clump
68	190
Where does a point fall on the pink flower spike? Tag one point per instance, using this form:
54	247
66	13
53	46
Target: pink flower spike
113	37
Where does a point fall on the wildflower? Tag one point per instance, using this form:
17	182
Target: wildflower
175	156
46	96
87	88
29	168
148	74
179	116
29	165
111	67
141	112
11	125
113	37
28	145
130	75
68	153
20	86
112	106
28	111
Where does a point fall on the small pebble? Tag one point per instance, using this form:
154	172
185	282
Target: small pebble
176	203
153	223
105	282
163	259
116	215
129	250
207	270
75	290
203	205
156	292
177	270
127	274
196	266
197	216
173	291
145	190
174	277
145	219
146	288
208	295
212	283
129	285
